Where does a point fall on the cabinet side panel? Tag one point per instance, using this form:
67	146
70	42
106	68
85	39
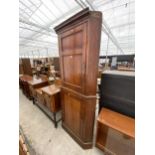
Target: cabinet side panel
92	58
87	119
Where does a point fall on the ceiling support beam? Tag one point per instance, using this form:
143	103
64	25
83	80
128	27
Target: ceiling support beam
39	10
36	46
37	40
43	33
36	25
47	27
32	10
105	27
107	30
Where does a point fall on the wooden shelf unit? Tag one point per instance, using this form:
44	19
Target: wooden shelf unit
79	43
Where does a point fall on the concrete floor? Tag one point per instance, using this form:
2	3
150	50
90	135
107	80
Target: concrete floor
41	135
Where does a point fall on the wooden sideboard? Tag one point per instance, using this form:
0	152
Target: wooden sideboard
52	99
79	43
115	133
48	100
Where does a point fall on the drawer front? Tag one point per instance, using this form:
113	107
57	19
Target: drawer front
52	102
47	101
40	98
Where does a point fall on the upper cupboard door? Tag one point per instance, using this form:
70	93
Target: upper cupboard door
72	54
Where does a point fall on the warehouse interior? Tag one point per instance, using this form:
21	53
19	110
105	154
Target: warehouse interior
77	77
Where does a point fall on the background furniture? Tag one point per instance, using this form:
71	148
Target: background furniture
21	71
26	65
23	83
56	63
37	82
126	61
79	42
117	92
115	123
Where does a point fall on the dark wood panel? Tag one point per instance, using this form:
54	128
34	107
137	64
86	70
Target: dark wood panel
73	76
21	71
26	66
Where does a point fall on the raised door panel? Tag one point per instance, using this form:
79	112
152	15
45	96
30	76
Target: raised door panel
73	47
72	73
72	107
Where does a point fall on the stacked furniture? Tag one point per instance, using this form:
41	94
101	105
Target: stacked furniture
116	123
79	42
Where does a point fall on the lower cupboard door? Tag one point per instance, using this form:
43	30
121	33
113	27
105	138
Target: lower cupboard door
72	110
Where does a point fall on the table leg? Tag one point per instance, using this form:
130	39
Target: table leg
55	121
33	99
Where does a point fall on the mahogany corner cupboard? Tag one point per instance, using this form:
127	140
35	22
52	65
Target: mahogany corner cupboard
79	43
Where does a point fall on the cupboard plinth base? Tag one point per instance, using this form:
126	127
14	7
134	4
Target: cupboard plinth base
84	145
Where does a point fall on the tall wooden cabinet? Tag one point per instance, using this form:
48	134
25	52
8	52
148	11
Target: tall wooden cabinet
79	43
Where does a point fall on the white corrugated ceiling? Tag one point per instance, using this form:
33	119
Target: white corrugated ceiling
39	17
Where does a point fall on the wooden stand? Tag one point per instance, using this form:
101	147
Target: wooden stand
48	100
115	133
79	42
